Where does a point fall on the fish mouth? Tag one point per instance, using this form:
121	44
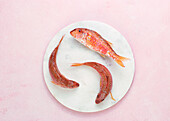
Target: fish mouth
71	32
77	85
98	101
73	84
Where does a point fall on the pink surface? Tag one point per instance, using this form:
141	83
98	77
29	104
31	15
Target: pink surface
26	28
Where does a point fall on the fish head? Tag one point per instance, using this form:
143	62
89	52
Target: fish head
78	33
72	84
100	97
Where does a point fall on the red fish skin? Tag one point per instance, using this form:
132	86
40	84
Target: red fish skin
105	80
96	42
57	77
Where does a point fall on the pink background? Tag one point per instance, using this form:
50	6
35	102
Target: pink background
26	28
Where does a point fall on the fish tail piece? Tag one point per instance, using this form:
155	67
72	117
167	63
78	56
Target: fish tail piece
120	60
77	64
123	58
112	96
61	39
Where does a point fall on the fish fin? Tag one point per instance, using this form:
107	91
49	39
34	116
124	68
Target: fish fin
123	58
53	82
109	43
119	60
77	64
61	39
102	55
120	63
112	96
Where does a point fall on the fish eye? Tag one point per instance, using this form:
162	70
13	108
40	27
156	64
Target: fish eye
79	30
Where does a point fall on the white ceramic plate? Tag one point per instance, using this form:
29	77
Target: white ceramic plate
71	51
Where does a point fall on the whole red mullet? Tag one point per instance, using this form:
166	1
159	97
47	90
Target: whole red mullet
96	42
58	78
105	80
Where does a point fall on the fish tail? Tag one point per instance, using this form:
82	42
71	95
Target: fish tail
112	96
120	60
61	39
77	64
